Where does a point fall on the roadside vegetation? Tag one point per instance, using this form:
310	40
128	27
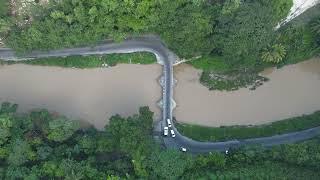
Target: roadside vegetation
43	145
4	20
202	133
92	61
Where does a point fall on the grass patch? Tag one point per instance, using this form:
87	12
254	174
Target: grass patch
202	133
207	63
92	61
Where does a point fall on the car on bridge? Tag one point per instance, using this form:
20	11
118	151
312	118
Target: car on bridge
169	122
165	131
172	133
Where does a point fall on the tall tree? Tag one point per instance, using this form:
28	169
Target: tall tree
274	54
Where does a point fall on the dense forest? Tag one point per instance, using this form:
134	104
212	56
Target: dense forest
189	27
236	38
43	145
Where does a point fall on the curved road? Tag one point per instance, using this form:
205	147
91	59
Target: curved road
166	58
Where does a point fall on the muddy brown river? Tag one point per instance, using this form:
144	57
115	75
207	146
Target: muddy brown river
292	91
94	95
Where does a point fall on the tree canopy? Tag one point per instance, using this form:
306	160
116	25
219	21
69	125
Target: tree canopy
126	149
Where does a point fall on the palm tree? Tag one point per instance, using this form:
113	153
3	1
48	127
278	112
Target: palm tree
274	54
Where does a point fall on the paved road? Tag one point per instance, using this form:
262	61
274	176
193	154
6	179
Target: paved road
166	58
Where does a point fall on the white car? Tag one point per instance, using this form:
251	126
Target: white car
169	122
183	149
172	133
165	131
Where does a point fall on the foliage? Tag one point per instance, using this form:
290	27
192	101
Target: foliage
54	147
91	61
189	27
274	54
21	153
299	42
280	8
4	6
185	27
168	164
126	150
230	6
315	28
61	129
242	36
5	20
5	125
210	63
242	132
71	23
130	134
4	26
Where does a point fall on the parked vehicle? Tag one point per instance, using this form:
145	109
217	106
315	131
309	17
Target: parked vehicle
169	122
183	149
165	131
172	133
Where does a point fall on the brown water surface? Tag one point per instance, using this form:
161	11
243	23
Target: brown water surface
292	91
96	94
90	94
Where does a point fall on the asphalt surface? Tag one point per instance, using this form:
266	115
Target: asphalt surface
166	58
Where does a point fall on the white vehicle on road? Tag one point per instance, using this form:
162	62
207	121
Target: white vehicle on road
169	122
172	133
165	131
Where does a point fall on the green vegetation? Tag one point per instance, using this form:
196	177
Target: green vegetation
274	54
202	133
189	27
4	8
41	145
299	43
315	28
208	63
4	19
91	61
231	80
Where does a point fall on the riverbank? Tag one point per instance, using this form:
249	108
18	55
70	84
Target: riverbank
292	91
92	61
224	133
92	95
